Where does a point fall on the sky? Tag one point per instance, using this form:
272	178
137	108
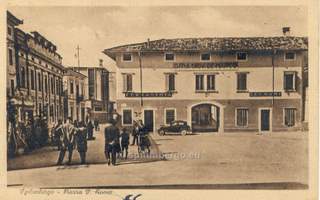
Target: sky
97	28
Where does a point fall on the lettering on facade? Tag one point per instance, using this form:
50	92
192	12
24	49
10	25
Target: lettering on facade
229	65
265	94
148	94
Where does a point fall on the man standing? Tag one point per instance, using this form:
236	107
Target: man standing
67	141
81	141
135	133
90	130
111	135
124	142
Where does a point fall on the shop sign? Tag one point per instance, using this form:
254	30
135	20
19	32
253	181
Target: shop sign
186	65
264	94
148	94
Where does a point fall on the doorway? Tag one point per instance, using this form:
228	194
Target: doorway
149	120
205	118
265	120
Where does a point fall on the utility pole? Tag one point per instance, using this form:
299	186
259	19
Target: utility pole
78	55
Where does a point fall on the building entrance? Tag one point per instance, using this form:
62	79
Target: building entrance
205	118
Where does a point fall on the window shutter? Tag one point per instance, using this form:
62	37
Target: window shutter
124	83
166	82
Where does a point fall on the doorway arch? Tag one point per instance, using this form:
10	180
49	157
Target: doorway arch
206	117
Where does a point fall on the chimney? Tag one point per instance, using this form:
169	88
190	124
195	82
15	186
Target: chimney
100	63
286	31
148	42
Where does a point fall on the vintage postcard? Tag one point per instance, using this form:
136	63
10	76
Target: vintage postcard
149	100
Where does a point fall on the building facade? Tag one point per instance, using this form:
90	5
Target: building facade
96	89
215	84
39	74
74	95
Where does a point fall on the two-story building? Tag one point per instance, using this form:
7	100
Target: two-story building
74	95
215	84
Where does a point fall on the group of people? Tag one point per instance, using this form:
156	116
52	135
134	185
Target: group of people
116	143
69	136
28	135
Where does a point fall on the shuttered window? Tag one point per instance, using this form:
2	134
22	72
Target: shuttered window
242	81
199	82
242	117
127	82
170	82
289	116
211	82
289	80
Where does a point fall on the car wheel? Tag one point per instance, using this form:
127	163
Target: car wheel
184	132
161	132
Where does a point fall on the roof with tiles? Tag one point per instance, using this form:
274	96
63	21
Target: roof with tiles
215	44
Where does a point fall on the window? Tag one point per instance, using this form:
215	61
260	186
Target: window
32	79
242	117
289	117
71	87
199	82
10	57
9	31
169	56
289	81
32	58
127	57
40	62
127	82
290	56
205	56
170	82
39	82
23	77
170	115
97	108
210	82
241	56
241	81
127	117
45	84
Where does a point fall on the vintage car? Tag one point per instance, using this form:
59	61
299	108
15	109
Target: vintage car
175	127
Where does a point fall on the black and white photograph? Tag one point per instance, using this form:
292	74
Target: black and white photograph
158	98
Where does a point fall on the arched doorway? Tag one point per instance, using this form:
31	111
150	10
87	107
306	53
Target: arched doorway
205	117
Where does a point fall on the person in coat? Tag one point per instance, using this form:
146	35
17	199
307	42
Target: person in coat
125	138
90	128
135	133
67	140
111	135
81	142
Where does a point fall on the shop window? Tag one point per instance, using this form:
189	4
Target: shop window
242	117
127	82
289	80
199	82
289	117
127	57
290	56
210	82
127	117
10	57
241	81
242	56
170	115
170	82
97	108
169	56
205	56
